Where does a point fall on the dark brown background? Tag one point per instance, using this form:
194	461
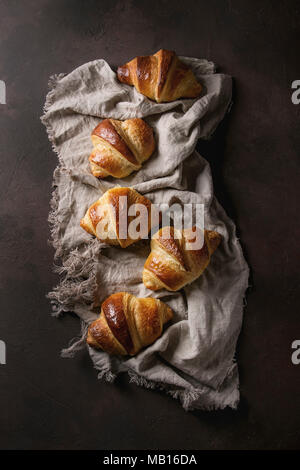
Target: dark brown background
49	402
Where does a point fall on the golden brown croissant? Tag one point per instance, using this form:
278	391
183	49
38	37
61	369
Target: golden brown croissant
108	217
128	323
120	147
161	77
171	264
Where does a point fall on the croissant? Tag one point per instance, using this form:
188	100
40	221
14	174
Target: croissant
172	263
128	323
161	77
109	221
120	147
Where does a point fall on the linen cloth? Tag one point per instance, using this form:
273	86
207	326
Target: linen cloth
194	358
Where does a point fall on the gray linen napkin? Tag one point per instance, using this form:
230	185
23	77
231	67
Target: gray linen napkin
194	358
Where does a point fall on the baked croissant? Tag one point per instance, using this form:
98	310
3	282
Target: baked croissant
172	263
109	221
161	77
120	147
128	323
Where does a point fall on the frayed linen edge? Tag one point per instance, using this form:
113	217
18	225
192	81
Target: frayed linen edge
186	396
76	344
60	296
77	288
54	228
50	98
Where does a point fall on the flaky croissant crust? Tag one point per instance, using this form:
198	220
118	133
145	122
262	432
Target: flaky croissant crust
120	147
110	208
161	77
171	265
128	323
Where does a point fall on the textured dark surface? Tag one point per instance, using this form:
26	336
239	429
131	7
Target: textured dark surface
49	402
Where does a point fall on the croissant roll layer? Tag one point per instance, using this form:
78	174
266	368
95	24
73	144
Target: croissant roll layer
108	218
127	324
160	77
173	261
120	147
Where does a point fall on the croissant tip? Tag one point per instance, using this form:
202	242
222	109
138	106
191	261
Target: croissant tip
165	50
123	73
90	339
147	282
198	89
169	313
214	239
